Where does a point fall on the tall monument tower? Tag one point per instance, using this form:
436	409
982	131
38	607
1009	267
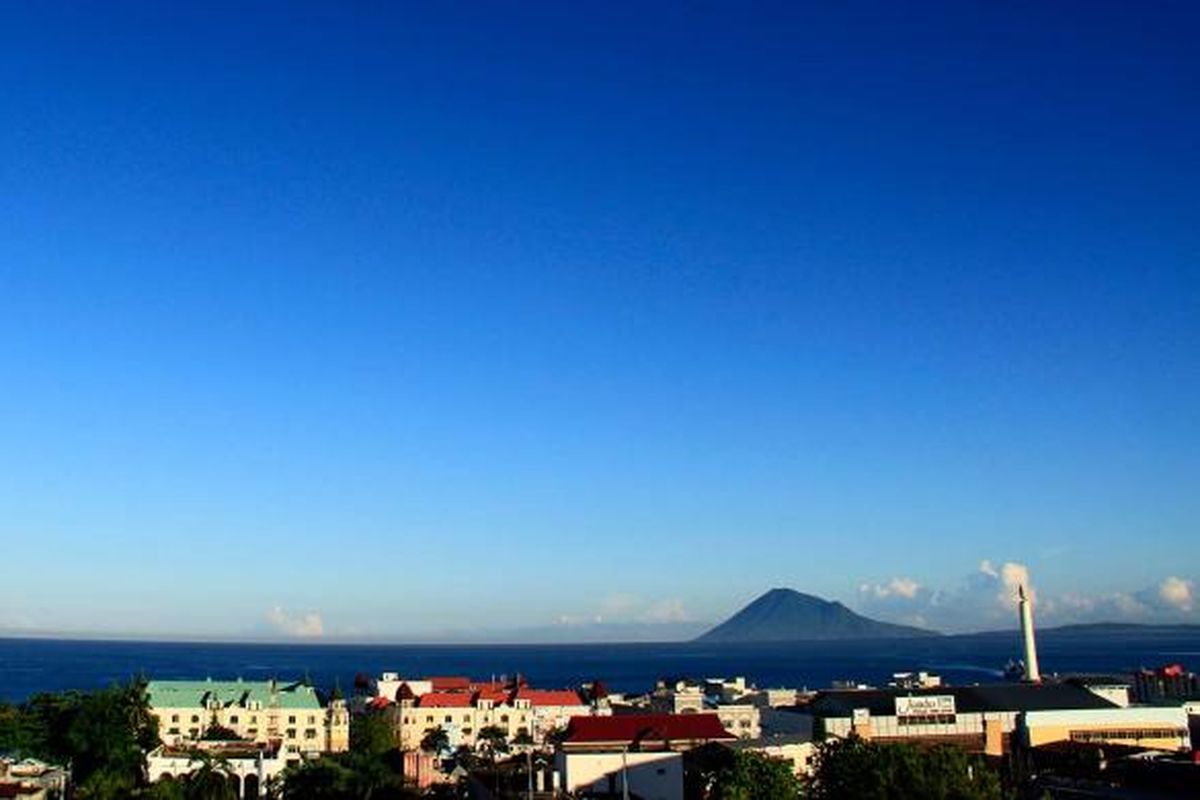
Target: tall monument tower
1032	674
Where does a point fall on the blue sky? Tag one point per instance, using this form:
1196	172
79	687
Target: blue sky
387	319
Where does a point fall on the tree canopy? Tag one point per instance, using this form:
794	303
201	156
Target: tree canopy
848	769
103	735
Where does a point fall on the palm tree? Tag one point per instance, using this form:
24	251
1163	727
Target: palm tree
436	740
211	779
494	742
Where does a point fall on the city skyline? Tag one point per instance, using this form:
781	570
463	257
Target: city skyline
326	323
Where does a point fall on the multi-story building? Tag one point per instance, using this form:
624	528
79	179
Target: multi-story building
462	708
716	697
291	715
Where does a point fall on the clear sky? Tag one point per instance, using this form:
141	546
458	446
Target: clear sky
377	319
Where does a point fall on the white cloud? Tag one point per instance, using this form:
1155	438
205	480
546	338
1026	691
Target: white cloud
896	587
669	610
304	626
987	599
1176	593
1012	577
623	608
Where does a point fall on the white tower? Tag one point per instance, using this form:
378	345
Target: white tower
1032	674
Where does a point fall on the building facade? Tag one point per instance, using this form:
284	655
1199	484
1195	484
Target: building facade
291	715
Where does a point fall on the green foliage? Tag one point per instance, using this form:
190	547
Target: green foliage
219	733
716	772
208	778
754	776
435	740
848	769
493	741
347	776
371	734
166	789
103	735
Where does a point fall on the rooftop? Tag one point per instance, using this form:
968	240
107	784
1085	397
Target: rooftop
235	693
967	699
633	729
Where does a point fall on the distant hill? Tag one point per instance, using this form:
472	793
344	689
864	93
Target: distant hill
783	615
1091	630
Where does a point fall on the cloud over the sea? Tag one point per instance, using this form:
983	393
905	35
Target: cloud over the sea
303	626
987	598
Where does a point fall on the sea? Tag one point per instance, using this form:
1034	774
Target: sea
29	666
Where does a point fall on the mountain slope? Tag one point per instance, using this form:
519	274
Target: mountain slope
787	615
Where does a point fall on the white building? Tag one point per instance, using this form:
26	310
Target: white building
641	752
251	767
265	712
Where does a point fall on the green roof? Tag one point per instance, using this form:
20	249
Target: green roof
236	693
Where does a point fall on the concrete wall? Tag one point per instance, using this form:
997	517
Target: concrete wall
652	776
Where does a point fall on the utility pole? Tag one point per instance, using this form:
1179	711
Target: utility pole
625	772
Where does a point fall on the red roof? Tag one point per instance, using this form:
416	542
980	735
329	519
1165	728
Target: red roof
445	683
635	728
496	692
379	702
549	697
445	700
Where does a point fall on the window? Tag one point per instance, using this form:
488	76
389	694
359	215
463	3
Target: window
252	731
253	719
292	720
193	732
925	719
195	718
466	731
174	731
291	733
449	718
233	720
429	718
1135	734
504	717
311	733
174	718
312	720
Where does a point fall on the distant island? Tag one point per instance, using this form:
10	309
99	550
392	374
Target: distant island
783	615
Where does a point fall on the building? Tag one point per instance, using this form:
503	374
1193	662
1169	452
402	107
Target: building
462	708
291	715
1169	682
715	696
797	750
1114	689
641	752
30	779
1149	727
251	767
980	718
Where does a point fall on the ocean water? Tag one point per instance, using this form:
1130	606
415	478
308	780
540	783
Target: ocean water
28	666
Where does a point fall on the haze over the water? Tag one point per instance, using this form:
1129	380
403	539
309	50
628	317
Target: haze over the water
371	321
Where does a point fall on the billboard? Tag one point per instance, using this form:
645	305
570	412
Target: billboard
925	705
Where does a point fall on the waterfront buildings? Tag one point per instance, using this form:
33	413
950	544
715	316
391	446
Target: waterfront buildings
290	715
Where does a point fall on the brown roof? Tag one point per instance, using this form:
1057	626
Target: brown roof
633	729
